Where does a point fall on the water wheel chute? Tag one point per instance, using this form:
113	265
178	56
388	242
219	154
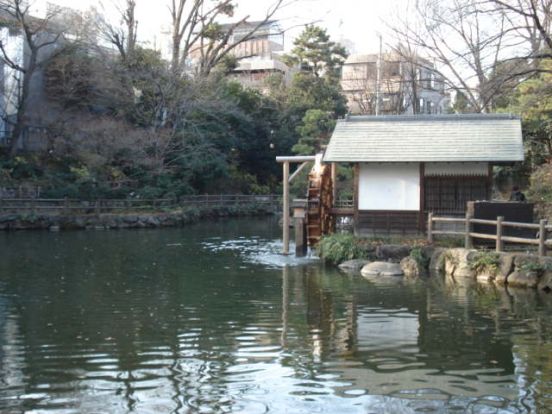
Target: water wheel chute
319	202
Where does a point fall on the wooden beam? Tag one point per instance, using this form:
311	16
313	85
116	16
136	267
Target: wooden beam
334	182
356	178
298	171
421	219
296	159
286	218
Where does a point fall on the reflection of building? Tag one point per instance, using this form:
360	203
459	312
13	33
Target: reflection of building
404	87
407	166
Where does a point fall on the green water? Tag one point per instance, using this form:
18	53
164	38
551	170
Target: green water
207	319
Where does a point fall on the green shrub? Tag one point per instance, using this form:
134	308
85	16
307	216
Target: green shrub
536	267
485	261
417	253
540	190
337	248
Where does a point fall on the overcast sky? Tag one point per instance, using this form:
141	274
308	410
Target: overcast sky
358	21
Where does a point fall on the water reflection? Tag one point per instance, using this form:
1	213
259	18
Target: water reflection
176	321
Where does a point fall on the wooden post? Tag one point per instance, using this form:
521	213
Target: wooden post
542	237
334	180
499	242
300	237
468	242
286	209
430	228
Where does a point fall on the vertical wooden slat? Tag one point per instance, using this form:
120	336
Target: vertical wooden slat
542	237
430	228
421	219
499	242
356	179
468	242
334	183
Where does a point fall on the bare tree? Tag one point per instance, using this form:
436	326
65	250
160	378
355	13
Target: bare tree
40	38
196	31
532	20
466	40
124	35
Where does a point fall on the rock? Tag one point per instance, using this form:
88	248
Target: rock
501	279
79	223
130	219
7	218
506	264
545	282
153	221
527	279
412	269
54	228
353	265
437	260
457	263
382	269
392	252
486	276
524	261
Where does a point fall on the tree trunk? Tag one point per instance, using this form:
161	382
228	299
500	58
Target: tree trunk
19	126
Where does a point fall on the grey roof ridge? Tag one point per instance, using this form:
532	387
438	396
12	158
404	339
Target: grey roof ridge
432	117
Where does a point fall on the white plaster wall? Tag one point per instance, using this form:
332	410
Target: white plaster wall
456	168
389	187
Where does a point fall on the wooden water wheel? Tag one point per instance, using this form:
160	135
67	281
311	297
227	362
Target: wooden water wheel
319	203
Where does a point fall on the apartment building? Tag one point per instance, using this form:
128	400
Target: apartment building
399	86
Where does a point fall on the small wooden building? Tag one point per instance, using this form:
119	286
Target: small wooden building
407	166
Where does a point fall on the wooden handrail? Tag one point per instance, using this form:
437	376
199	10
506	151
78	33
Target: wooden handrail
542	231
105	205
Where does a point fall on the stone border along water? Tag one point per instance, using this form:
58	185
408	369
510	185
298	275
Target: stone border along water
124	220
459	265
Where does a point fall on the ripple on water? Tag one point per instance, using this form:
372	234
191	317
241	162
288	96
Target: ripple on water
260	251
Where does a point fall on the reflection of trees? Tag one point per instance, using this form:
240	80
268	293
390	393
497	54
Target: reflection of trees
116	315
136	321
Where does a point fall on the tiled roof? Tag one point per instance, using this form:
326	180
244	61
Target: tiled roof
430	138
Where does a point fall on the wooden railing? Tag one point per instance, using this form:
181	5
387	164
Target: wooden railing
541	230
100	206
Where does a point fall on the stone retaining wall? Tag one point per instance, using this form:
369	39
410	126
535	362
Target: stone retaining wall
121	221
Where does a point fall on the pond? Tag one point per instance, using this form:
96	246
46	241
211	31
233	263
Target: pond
210	319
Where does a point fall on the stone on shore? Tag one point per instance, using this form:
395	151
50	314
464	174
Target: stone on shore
382	269
525	279
353	265
412	269
457	263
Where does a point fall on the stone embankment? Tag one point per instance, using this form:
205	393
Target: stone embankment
459	265
121	220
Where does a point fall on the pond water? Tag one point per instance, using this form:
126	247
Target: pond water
210	319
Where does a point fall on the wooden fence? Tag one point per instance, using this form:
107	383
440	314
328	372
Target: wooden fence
541	231
102	206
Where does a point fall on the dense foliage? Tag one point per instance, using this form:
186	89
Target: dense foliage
337	248
129	126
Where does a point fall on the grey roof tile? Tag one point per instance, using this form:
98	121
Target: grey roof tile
418	138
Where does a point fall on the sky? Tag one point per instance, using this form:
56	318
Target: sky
356	23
